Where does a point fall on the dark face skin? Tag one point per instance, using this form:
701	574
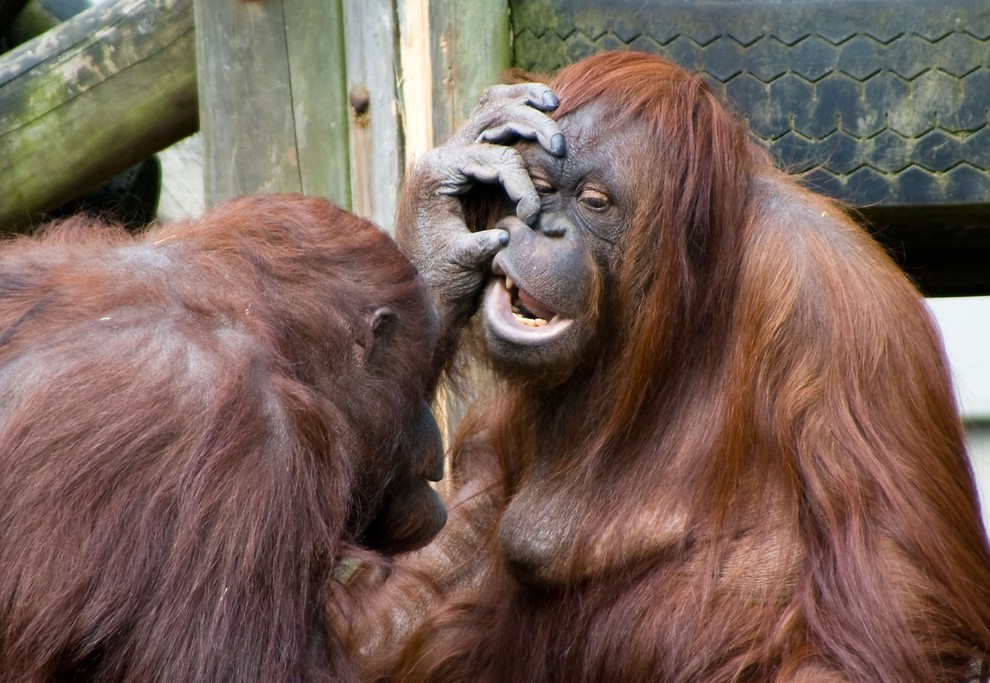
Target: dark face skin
543	306
410	513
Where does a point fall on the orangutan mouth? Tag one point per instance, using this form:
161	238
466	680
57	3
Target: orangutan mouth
514	315
525	308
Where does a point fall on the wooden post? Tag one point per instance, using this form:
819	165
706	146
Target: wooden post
89	99
416	82
470	50
377	157
273	108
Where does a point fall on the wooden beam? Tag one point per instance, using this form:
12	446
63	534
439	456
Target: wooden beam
377	158
416	79
471	48
90	98
273	110
316	38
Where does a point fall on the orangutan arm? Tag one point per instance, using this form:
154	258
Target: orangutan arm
386	605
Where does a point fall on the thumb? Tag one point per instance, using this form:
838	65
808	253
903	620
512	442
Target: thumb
475	249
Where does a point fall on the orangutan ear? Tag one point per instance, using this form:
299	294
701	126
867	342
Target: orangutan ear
379	329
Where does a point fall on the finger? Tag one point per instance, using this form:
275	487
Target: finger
507	113
518	187
548	100
503	165
543	130
475	249
461	167
537	95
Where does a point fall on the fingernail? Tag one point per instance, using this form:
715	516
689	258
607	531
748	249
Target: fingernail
550	100
557	145
503	239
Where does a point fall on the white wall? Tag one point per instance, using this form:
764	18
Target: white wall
979	452
965	324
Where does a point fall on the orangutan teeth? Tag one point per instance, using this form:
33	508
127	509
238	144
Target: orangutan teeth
520	312
528	322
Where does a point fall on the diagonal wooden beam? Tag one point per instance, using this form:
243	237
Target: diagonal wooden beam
90	98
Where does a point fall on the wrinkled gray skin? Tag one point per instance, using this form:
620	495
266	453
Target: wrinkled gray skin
565	267
412	512
543	269
431	227
398	510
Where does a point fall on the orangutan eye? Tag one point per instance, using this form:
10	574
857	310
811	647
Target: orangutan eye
595	200
543	188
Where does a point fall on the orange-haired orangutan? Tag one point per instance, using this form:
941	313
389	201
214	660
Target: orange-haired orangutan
194	425
722	443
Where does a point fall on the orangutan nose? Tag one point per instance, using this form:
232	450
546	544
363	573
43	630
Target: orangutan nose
553	224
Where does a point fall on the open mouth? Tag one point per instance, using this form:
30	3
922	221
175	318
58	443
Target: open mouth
525	308
515	315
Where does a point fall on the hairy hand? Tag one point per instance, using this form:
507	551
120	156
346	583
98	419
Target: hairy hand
431	225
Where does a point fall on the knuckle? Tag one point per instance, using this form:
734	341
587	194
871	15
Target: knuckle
494	133
534	89
492	93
